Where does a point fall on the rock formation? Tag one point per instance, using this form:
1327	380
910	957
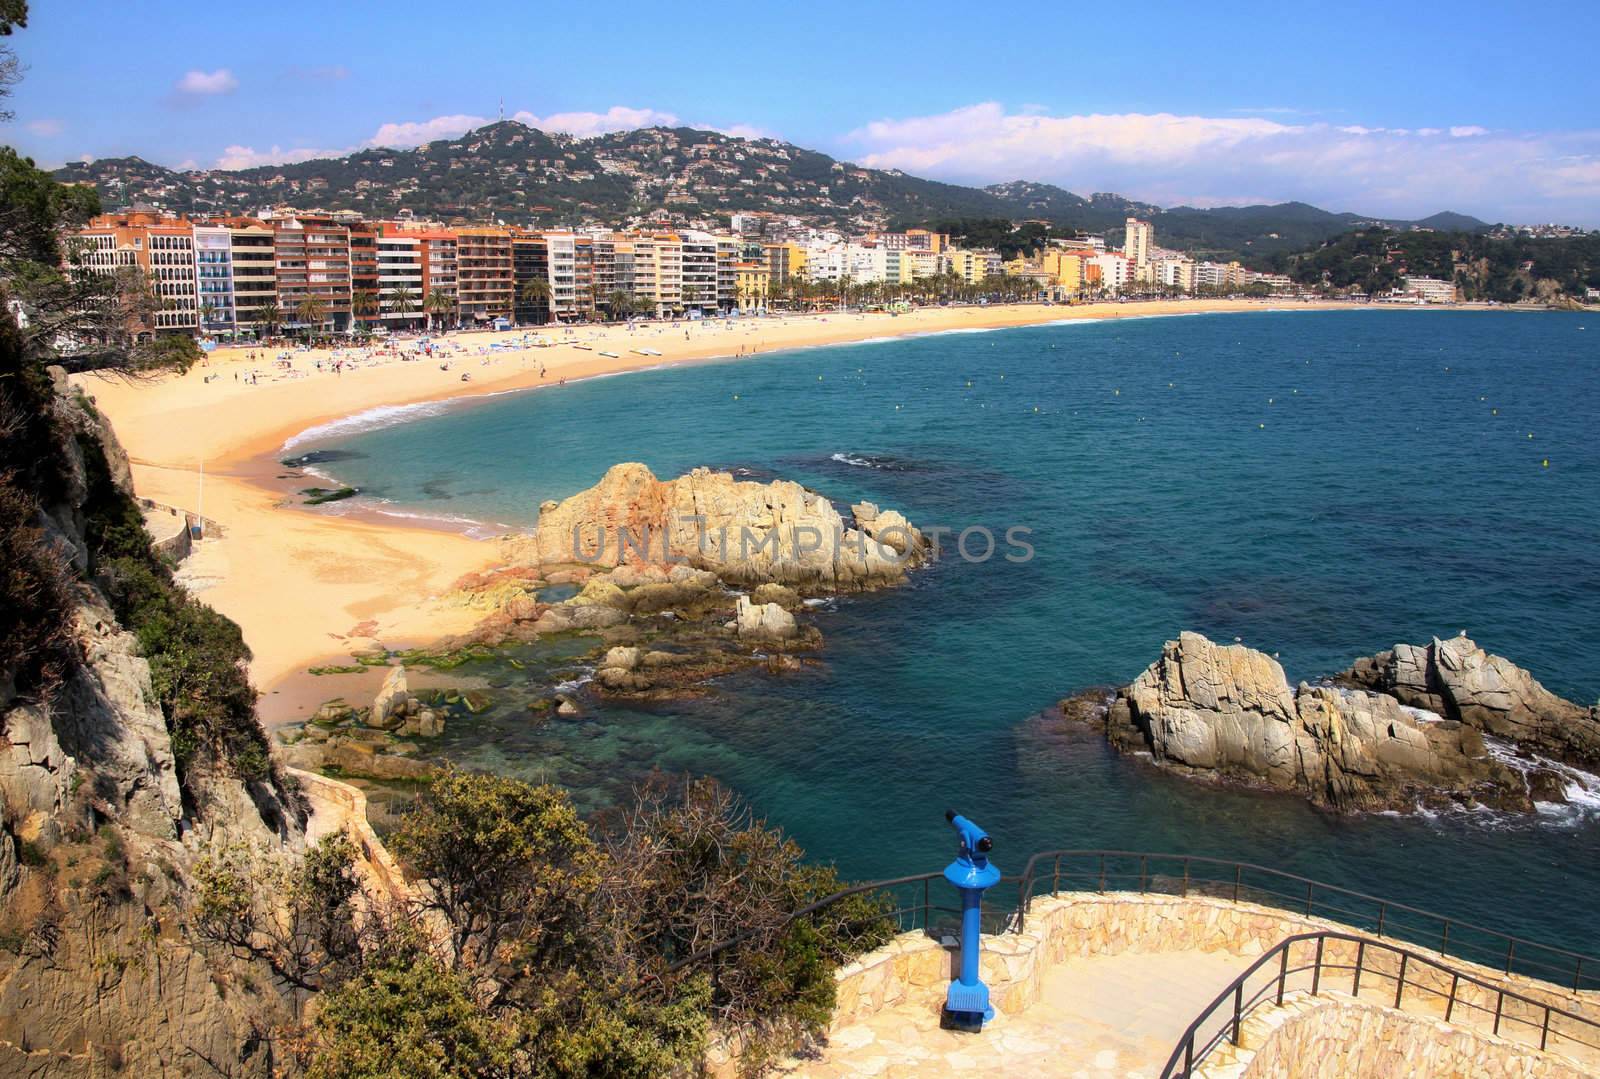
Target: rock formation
744	532
98	974
1227	711
1458	680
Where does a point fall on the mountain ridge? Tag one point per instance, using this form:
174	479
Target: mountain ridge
679	176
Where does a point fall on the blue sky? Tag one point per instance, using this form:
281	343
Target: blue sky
1380	108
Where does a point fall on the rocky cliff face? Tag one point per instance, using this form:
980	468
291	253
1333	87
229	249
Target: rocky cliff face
97	973
1458	680
1226	711
744	532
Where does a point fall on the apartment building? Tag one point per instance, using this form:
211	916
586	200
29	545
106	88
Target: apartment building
436	248
1137	241
1426	289
485	276
530	261
785	261
163	249
699	272
255	275
312	256
752	285
364	271
213	265
399	279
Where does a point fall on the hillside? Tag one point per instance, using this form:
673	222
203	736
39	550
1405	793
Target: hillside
521	175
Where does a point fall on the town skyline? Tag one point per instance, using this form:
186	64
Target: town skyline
1320	125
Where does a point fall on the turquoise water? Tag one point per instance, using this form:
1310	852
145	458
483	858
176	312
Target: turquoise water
1320	485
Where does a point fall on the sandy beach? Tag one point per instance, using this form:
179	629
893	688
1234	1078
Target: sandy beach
302	581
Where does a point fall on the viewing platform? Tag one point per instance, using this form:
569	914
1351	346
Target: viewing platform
1164	973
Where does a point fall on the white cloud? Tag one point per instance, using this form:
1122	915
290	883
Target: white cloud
248	157
588	124
1205	160
199	83
404	135
415	133
45	128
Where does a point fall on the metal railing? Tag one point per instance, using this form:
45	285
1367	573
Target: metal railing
925	902
1466	1002
1186	875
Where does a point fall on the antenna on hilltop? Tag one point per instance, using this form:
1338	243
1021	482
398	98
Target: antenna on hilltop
502	110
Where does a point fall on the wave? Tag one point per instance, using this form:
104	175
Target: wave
881	462
371	419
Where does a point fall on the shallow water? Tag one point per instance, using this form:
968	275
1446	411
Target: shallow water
1320	485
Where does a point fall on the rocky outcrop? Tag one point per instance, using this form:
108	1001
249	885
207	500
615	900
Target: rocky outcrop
389	706
763	621
744	532
1226	711
1458	680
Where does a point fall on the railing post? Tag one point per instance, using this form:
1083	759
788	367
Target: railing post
1238	1010
1186	878
1144	874
1283	973
1499	1003
1238	872
1361	955
1577	976
1309	886
1383	912
1102	874
1055	881
1450	1007
1544	1032
1511	952
1316	970
1400	982
927	915
1188	1056
1444	944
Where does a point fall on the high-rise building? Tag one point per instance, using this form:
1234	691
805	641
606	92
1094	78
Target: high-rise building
255	275
213	265
1138	241
399	279
486	280
530	261
313	266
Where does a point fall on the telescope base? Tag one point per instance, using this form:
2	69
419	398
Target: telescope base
966	1007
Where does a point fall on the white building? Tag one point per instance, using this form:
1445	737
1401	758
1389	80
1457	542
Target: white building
1138	241
1116	271
213	267
400	292
1429	289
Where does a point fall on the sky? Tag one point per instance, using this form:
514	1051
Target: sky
1397	110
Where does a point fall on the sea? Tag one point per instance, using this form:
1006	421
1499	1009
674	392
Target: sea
1318	485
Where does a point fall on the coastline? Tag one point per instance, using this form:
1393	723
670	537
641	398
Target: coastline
301	583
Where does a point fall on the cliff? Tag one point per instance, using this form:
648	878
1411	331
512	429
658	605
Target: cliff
128	746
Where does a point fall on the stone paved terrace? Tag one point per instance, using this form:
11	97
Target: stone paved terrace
1105	985
1097	1016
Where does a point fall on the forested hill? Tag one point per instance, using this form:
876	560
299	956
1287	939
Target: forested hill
521	175
1503	269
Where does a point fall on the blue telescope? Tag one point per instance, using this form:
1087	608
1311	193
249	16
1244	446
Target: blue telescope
967	1003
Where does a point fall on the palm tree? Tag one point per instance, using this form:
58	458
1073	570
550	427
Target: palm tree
269	315
438	302
311	311
619	305
536	293
404	301
208	311
363	302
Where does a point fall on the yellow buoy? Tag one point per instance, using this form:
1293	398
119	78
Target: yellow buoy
735	397
1117	392
1036	408
1547	462
1530	434
1494	412
1261	426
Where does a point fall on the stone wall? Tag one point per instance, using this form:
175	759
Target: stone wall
1333	1036
339	807
914	967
